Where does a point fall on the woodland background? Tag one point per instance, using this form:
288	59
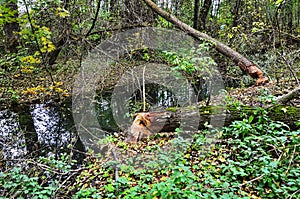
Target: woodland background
44	42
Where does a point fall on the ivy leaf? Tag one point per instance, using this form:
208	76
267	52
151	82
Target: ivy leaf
279	2
110	188
63	13
250	118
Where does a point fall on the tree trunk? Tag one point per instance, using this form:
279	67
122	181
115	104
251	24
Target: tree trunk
203	14
196	14
66	30
11	29
135	12
246	65
168	121
289	96
236	13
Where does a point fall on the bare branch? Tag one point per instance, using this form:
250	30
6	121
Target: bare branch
291	95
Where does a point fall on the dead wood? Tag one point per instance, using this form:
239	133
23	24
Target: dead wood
247	66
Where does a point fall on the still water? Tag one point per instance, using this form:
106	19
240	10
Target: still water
37	129
49	129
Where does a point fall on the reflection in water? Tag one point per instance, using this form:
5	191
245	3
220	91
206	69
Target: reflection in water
158	98
165	98
49	126
37	129
104	114
40	128
12	143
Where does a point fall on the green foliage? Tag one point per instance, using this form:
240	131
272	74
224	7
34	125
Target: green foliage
267	98
263	150
253	157
62	164
135	107
7	15
162	22
224	21
245	165
40	179
21	185
195	60
87	193
253	160
179	185
14	95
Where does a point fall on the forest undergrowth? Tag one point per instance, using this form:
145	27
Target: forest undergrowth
251	158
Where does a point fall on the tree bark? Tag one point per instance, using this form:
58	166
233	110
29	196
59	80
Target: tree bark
66	31
11	29
203	14
168	121
196	14
236	13
291	95
245	65
135	12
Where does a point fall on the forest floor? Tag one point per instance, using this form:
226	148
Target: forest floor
254	95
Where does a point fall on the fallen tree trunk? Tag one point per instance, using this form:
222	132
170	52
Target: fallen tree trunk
289	96
169	121
245	65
